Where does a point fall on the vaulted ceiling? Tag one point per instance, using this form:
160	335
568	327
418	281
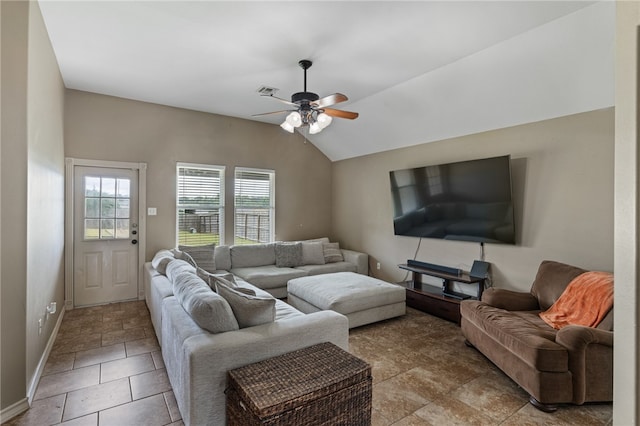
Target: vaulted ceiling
416	71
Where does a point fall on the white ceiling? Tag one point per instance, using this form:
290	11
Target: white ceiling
416	71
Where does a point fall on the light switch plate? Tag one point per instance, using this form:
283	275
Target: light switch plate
152	211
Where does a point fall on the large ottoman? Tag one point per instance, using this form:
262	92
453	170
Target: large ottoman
362	299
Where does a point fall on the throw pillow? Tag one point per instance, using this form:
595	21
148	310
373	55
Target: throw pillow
203	256
161	260
186	257
208	309
312	253
332	253
288	255
210	278
178	266
234	285
248	310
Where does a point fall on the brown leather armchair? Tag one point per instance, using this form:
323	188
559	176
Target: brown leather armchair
570	365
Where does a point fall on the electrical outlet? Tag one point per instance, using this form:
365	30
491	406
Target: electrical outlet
378	266
39	326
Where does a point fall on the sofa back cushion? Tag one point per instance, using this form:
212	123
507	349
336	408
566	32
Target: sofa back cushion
222	257
178	266
161	260
202	255
208	309
253	255
312	253
551	281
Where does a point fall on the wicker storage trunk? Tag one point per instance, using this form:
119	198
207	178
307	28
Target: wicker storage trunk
318	385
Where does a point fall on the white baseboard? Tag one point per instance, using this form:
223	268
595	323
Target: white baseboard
14	410
31	390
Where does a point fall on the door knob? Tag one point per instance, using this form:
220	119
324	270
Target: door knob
134	241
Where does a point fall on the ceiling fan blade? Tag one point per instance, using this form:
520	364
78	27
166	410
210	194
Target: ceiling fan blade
273	112
280	99
341	114
336	98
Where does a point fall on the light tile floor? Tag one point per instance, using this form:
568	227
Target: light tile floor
106	369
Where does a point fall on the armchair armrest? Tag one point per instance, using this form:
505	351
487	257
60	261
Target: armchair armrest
361	260
590	360
510	300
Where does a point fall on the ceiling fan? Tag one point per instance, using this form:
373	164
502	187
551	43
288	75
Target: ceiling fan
310	110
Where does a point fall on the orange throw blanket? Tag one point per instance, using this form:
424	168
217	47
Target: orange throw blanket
585	301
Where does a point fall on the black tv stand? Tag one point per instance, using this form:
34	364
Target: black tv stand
445	302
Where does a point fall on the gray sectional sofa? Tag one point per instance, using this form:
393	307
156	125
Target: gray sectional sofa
197	359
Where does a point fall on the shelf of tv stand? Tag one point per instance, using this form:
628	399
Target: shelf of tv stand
432	299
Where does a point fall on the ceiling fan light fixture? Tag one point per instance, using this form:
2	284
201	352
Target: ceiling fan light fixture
315	128
294	119
323	120
286	126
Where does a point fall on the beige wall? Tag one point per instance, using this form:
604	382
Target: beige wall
45	189
626	392
32	155
13	154
562	185
109	128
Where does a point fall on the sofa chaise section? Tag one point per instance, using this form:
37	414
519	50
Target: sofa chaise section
197	361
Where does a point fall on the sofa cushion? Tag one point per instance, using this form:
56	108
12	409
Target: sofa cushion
328	268
269	276
248	256
222	257
312	253
332	252
522	333
161	260
288	255
183	255
208	309
210	278
178	266
202	255
249	310
551	281
318	240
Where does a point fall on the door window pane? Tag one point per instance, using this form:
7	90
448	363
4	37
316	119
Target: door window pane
92	207
108	187
122	228
123	188
122	209
91	229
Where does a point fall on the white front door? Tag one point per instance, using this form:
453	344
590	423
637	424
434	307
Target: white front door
105	258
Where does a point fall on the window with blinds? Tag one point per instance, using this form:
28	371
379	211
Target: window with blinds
254	201
200	204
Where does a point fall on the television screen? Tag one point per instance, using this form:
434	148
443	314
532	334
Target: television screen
466	201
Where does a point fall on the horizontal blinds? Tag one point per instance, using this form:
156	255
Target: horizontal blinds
253	189
200	205
254	206
199	188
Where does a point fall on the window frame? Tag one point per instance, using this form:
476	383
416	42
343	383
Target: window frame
220	207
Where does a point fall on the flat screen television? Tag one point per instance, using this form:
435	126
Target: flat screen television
464	201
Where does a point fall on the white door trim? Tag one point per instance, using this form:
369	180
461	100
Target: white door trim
70	164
